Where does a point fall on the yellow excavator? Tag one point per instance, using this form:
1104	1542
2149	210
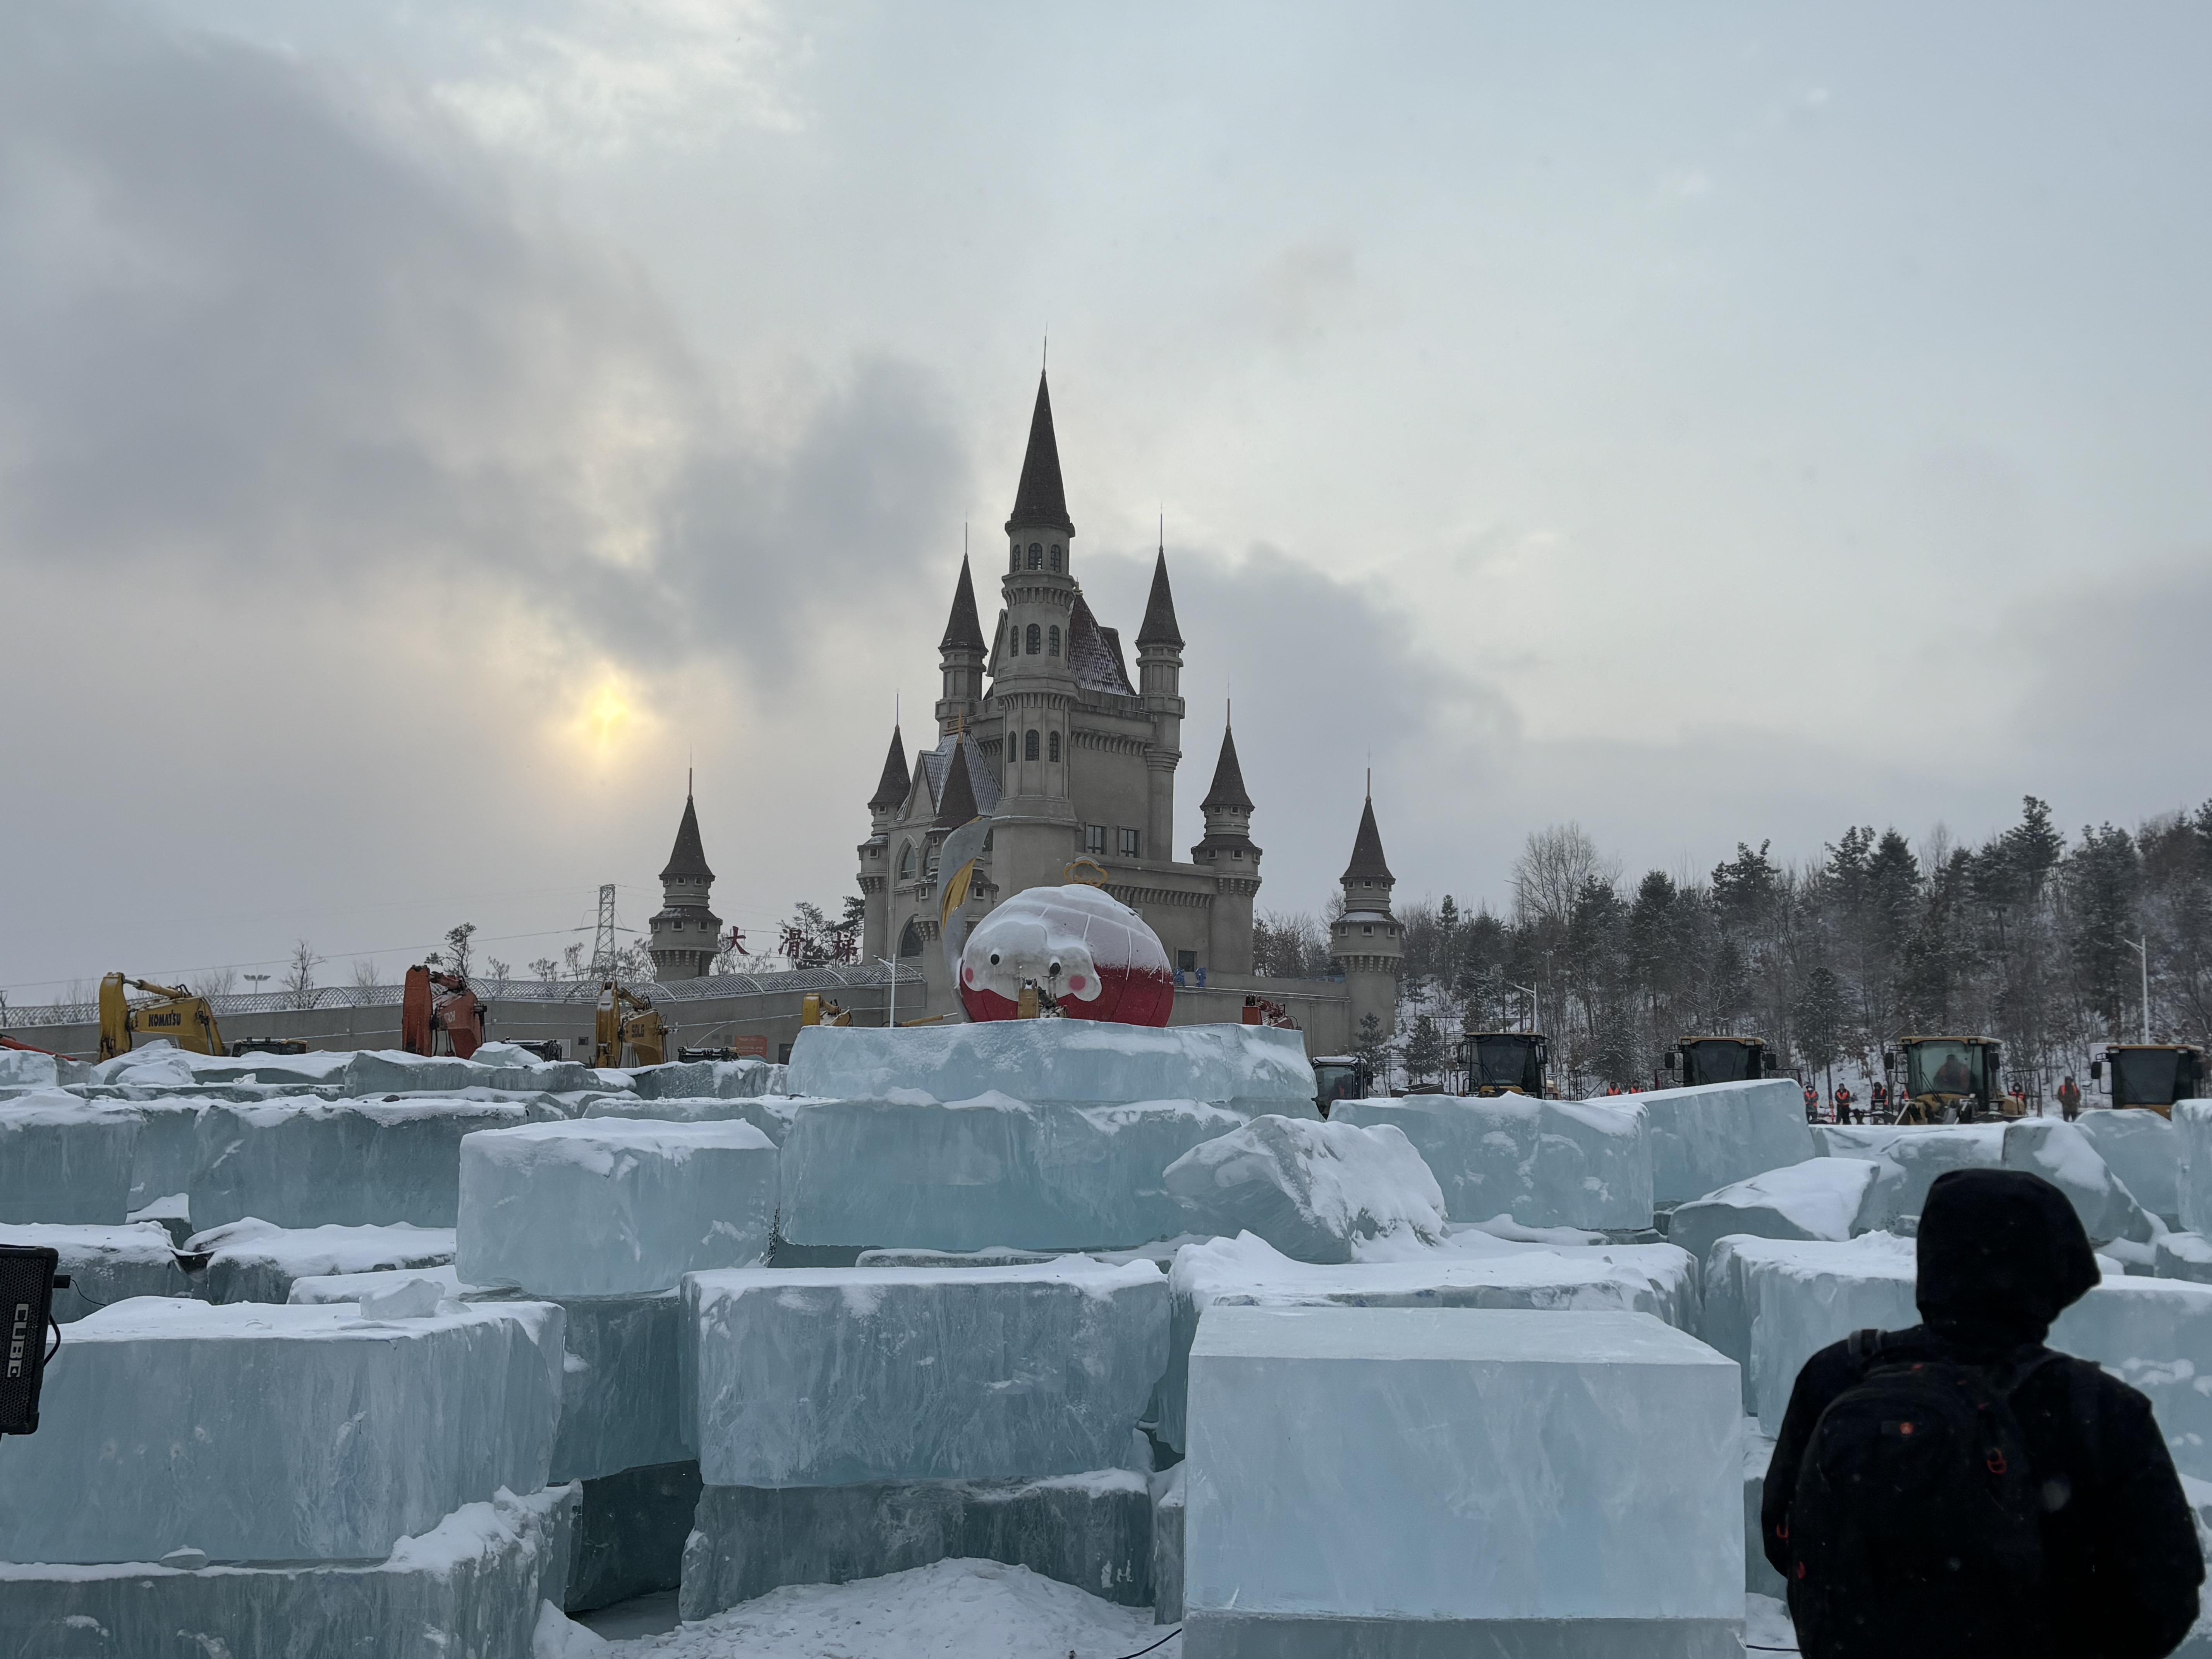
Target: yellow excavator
815	1009
176	1013
629	1031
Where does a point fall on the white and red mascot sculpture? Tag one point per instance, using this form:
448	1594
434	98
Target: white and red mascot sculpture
1087	956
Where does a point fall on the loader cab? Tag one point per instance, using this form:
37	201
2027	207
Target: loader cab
1503	1062
2151	1076
1340	1077
1698	1059
1948	1079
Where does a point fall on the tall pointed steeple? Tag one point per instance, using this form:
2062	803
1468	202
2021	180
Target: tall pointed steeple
1039	503
891	787
1227	794
960	659
958	803
686	933
1367	868
963	628
1160	627
687	861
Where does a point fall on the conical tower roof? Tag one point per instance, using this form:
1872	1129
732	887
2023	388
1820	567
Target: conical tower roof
1160	627
1228	790
688	860
964	629
1039	500
957	803
1367	863
891	788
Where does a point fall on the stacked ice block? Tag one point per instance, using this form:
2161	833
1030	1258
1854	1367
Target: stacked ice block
1707	1135
253	1261
62	1160
1543	1162
1317	1192
1829	1198
104	1264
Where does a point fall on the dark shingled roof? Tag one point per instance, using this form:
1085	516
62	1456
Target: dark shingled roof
935	766
957	805
964	629
1159	626
891	789
1367	851
1094	653
1039	500
1228	790
690	858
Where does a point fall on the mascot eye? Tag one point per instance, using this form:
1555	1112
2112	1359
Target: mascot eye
1056	966
994	959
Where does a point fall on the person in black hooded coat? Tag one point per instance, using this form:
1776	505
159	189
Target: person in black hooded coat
2000	1254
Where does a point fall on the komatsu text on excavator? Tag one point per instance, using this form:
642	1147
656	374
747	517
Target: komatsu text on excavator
175	1014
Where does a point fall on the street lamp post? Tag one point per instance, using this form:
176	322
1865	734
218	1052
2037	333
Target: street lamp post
890	1012
2142	948
255	980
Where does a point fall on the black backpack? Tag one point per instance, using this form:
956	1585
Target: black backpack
1916	1524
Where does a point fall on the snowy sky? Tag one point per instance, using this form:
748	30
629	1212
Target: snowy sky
426	428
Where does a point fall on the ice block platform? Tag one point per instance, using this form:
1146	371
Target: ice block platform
1510	1484
845	1377
1544	1162
64	1162
1829	1198
1709	1134
249	1261
104	1265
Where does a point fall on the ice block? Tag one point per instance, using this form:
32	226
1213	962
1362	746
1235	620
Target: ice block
1317	1192
1544	1162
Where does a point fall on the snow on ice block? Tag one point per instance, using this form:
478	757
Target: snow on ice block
1475	1270
2063	1155
1707	1135
355	1162
470	1584
319	1290
840	1376
26	1069
724	1079
64	1161
1820	1198
1315	1191
1247	1068
2183	1256
260	1433
970	1174
1574	1486
2143	1149
1922	1153
621	1386
771	1114
1545	1163
613	1206
104	1265
1092	1530
249	1261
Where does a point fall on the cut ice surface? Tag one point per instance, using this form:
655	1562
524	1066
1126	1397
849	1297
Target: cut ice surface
104	1265
2143	1149
771	1114
726	1079
1707	1135
621	1388
167	1150
304	1162
2063	1155
1315	1191
613	1206
62	1160
318	1290
2156	1335
2192	1124
1820	1198
2183	1256
1545	1163
24	1069
840	1376
472	1584
1601	1450
1248	1068
1791	1299
260	1433
630	1531
972	1174
1922	1153
1246	1271
249	1261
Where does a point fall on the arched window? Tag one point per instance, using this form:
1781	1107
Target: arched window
1051	747
1029	746
1036	638
906	863
1052	640
910	940
1036	555
1056	557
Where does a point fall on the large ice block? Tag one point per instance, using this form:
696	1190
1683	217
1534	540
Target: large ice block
840	1376
2192	1126
2143	1149
472	1584
1317	1192
971	1174
1922	1153
1168	1503
2063	1155
306	1163
771	1114
104	1264
613	1206
1248	1068
260	1433
1820	1198
1092	1530
1544	1162
2155	1334
726	1079
1248	1272
249	1261
64	1161
319	1290
630	1533
621	1386
1508	1482
22	1070
1798	1297
1709	1135
167	1148
2183	1256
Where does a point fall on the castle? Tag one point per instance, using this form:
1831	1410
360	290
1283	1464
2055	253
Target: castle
1040	729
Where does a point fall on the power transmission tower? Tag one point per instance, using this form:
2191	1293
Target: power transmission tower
603	940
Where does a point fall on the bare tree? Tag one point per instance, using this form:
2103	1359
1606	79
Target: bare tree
546	969
499	970
218	981
457	944
299	976
365	975
1553	870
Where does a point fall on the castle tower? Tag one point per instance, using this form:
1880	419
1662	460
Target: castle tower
685	931
1228	853
1159	682
960	656
1365	939
875	852
1033	689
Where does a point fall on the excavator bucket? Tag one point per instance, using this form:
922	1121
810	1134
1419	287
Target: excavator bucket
415	1012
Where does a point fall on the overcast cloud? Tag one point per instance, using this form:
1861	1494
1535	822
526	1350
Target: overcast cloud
425	431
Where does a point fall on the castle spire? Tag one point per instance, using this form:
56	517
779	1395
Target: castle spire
964	629
1040	502
1228	790
1367	865
891	789
688	861
1159	626
958	803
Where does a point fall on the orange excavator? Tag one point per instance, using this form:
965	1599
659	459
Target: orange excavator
440	1014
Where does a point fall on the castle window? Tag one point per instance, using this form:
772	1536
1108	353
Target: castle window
1129	843
1015	562
1036	636
1052	641
906	863
1036	555
1029	746
1051	747
1368	928
910	940
1094	840
1056	557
